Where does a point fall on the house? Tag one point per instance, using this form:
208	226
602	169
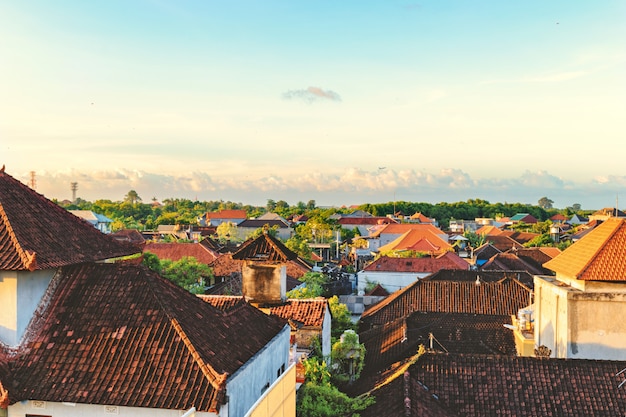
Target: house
420	218
510	261
576	220
454	291
223	216
575	311
523	218
248	227
385	234
447	385
310	320
606	213
395	273
99	221
82	335
363	224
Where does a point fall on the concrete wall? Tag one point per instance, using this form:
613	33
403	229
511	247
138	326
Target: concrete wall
280	399
252	380
391	281
20	294
263	283
579	324
54	409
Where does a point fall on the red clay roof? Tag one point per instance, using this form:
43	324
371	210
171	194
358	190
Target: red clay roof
264	248
37	234
122	335
227	214
177	251
485	385
598	256
309	312
511	262
425	264
502	297
401	228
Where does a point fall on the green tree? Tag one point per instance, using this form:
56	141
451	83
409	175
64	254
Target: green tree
226	232
314	282
545	203
132	197
317	400
347	358
187	272
341	317
299	246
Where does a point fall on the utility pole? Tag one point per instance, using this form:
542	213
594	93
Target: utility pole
33	180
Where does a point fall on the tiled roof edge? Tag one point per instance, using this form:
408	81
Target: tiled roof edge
29	260
599	249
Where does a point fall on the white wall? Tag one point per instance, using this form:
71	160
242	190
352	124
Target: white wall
579	324
245	387
391	281
20	293
55	409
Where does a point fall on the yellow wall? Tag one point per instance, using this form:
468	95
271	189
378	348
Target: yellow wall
280	399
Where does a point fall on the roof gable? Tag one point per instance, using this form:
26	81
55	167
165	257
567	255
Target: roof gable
599	256
227	214
264	248
35	233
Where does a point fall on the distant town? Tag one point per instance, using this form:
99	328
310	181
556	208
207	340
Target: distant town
213	308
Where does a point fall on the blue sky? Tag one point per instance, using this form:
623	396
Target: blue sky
341	102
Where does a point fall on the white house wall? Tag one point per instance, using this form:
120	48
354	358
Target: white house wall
391	281
579	324
55	409
20	293
247	385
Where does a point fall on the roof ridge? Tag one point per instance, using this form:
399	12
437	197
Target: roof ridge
215	378
29	259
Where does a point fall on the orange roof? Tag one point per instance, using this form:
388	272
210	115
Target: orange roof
598	256
419	240
400	228
488	231
448	260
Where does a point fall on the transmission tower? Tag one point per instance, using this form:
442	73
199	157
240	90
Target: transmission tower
33	180
74	186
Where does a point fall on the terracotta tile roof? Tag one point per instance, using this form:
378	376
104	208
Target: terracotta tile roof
453	333
346	221
421	218
309	312
226	214
519	237
37	234
222	302
486	251
419	240
402	228
130	235
264	248
503	297
403	396
425	264
488	231
599	256
378	291
121	335
522	277
177	251
485	386
503	243
257	224
510	262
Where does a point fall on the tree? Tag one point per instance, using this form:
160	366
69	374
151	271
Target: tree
132	197
226	231
299	246
545	203
187	272
341	317
347	358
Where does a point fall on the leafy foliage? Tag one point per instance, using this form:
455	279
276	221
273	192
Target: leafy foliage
341	317
315	400
187	272
347	357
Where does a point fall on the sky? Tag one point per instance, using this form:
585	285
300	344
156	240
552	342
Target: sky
341	102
